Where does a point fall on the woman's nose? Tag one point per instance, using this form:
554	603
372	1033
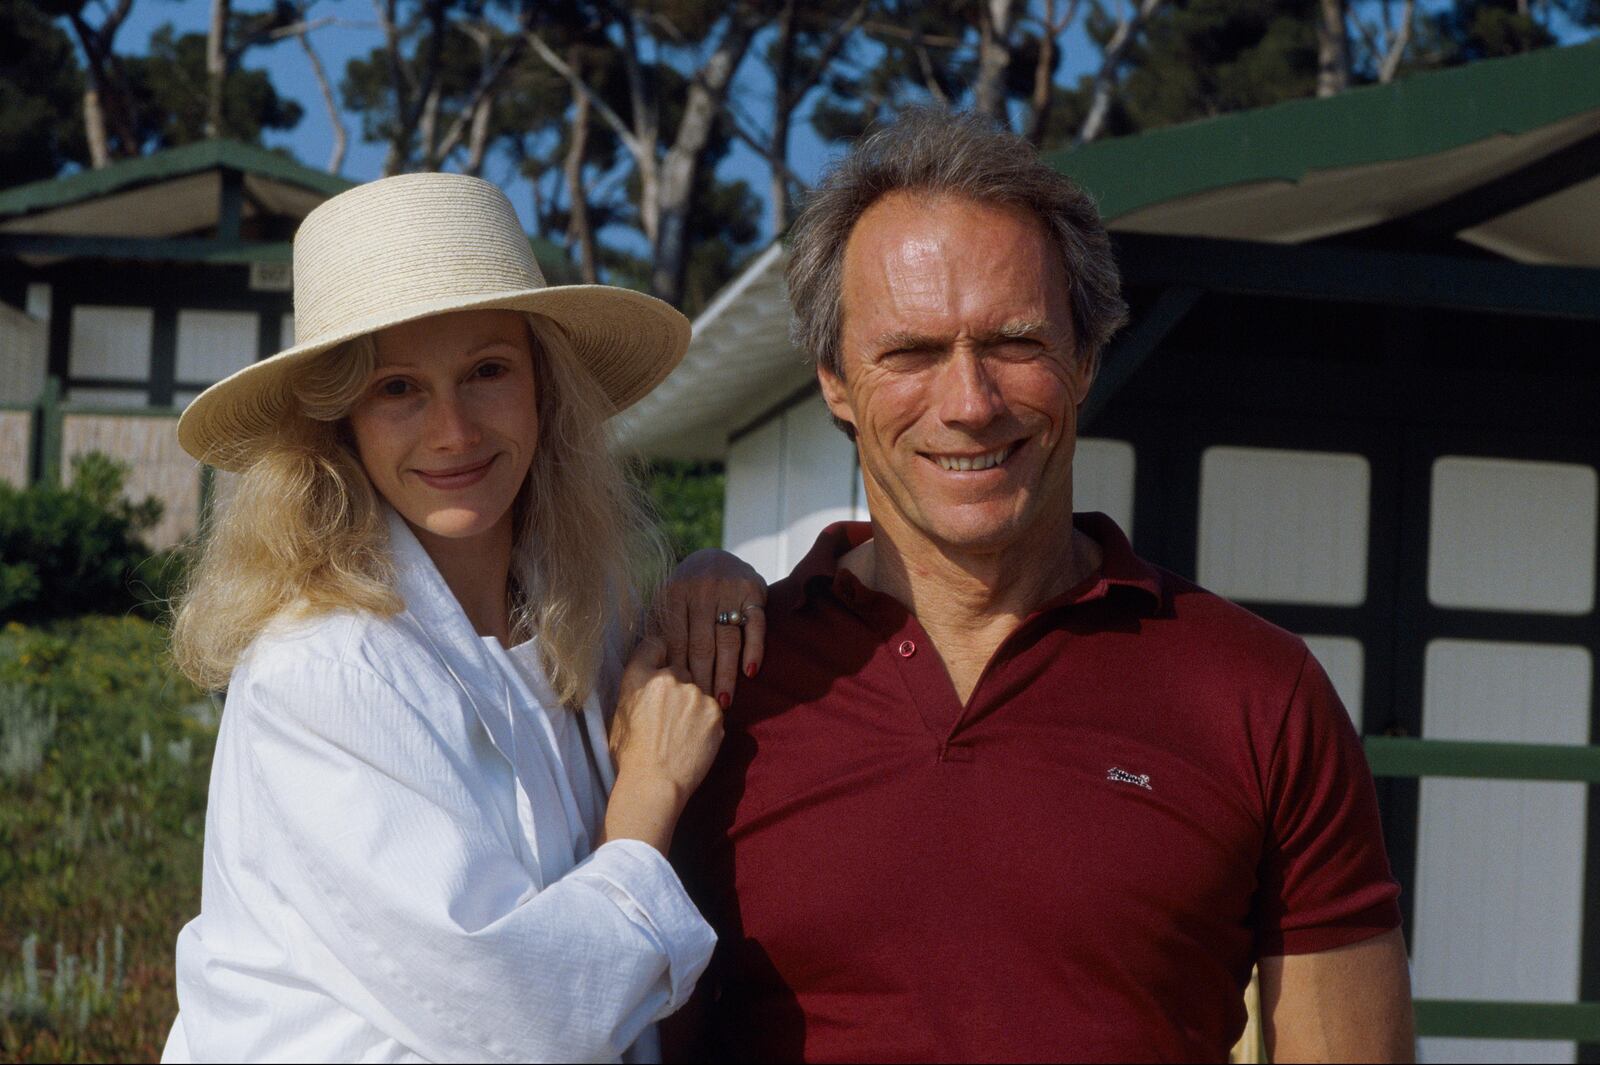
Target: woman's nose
450	424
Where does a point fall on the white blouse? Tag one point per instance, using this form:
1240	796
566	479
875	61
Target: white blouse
399	860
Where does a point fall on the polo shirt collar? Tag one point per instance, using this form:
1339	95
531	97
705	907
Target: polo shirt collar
1119	566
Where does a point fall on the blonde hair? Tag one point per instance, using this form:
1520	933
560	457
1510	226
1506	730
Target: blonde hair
303	531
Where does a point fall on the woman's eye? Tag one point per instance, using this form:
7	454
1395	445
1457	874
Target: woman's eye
394	386
489	369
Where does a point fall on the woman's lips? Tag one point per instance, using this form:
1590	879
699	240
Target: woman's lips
462	477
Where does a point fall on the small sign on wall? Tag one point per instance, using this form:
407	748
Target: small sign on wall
271	277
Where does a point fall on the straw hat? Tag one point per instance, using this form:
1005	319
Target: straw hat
416	245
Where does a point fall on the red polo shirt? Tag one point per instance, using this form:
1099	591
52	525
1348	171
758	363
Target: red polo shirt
1149	789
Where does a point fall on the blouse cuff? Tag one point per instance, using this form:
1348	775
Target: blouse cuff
634	876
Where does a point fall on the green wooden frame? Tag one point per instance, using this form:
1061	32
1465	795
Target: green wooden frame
1392	756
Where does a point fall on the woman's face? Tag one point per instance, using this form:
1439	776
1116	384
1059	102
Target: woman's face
448	423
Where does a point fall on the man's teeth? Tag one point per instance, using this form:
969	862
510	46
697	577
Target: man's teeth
974	462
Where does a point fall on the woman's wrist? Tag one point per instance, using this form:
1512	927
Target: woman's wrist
644	806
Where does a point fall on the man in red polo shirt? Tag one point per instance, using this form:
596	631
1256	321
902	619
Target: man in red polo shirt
1002	790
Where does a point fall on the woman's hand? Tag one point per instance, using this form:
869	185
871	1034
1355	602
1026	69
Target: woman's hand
704	585
663	739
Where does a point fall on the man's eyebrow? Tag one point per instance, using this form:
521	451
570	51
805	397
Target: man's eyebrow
896	340
1018	328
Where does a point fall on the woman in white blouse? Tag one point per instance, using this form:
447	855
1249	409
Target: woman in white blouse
419	597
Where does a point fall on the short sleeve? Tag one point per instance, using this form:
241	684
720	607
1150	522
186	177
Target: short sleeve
1325	879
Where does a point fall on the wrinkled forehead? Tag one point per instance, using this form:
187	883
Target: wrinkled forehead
946	262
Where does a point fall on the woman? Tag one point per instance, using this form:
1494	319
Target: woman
418	597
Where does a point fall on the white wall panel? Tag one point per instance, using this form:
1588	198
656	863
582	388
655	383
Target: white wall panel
213	344
110	341
1511	535
818	475
1102	479
286	334
1500	863
1344	660
752	517
1284	526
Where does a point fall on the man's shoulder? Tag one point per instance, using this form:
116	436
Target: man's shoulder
1233	637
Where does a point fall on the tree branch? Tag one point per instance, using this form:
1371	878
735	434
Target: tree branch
607	115
1105	79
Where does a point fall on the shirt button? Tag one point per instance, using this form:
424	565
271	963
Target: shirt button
907	648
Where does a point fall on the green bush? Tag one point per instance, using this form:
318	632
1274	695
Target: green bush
102	814
688	502
76	550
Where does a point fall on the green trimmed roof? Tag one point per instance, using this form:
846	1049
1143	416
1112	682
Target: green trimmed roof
163	166
1416	116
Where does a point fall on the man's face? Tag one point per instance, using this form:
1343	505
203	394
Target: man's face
961	376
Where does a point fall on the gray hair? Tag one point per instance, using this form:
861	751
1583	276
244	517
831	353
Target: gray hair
933	151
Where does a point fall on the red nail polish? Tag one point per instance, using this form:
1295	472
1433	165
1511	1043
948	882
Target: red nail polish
724	698
750	670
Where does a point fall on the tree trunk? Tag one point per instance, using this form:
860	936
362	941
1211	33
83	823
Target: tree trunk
994	57
580	231
94	128
341	139
478	141
1105	80
107	106
1043	87
1398	42
216	66
1333	49
682	162
782	108
428	129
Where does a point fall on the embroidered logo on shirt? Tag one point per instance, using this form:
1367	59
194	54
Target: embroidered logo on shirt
1122	776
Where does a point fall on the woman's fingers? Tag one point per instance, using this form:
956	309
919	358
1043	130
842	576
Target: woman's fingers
649	656
755	637
703	636
672	619
725	674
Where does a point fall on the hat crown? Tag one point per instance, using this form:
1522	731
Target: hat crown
411	240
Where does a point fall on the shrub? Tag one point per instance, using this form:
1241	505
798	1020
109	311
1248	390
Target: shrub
70	551
688	502
100	839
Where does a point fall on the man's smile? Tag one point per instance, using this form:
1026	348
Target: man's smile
972	461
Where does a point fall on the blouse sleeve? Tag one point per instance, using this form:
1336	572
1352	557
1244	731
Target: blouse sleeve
387	849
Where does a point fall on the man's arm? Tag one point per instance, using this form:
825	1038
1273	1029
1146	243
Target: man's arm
1347	1004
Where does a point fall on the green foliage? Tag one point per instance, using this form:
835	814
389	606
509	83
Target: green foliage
69	551
41	92
171	85
688	499
100	841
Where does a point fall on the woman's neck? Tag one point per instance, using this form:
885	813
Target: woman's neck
477	570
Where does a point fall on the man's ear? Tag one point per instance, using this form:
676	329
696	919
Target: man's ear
835	396
1088	367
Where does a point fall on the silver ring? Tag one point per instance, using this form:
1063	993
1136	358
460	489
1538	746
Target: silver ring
730	617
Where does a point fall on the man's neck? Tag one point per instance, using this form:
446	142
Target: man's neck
970	601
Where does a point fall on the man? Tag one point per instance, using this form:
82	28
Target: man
1002	790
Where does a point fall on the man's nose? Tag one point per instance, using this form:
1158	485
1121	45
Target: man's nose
450	424
968	394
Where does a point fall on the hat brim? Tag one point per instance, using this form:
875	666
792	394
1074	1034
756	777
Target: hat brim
627	341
